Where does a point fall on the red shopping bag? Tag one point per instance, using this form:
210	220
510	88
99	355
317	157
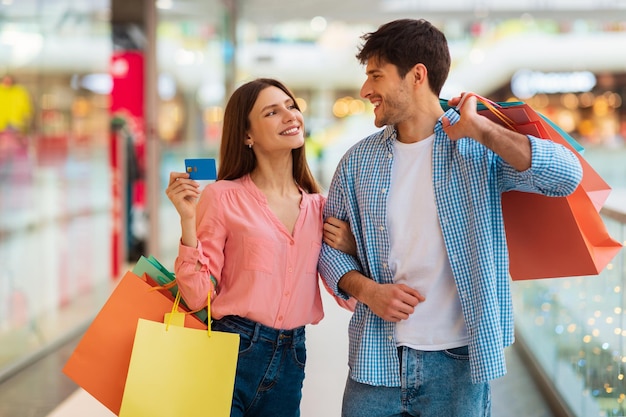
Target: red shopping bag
550	237
100	361
522	118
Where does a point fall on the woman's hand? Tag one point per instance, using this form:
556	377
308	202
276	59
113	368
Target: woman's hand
183	193
337	235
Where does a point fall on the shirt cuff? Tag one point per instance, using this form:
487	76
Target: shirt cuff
188	254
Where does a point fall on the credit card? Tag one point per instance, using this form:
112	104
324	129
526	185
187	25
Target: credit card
201	168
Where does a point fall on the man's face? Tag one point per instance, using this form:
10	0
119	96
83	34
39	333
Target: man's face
387	91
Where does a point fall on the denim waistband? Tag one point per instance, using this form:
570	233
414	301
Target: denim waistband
256	330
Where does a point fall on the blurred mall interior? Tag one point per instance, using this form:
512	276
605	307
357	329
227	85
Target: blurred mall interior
114	94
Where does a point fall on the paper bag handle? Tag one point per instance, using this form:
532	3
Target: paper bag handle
492	106
171	285
175	310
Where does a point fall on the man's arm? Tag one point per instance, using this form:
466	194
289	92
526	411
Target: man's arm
514	148
391	302
334	263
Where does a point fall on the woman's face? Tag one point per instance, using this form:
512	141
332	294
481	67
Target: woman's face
275	122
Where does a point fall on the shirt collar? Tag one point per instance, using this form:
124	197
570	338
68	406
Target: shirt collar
390	133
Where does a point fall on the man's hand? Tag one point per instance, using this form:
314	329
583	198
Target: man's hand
512	147
469	123
390	302
393	302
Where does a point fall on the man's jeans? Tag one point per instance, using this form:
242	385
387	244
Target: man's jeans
434	384
270	368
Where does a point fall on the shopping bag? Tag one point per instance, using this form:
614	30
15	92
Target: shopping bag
550	237
524	119
180	371
100	361
165	278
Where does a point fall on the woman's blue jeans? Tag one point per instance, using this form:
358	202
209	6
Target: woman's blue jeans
434	384
270	368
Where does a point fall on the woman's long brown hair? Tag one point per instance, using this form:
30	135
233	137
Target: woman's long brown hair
236	159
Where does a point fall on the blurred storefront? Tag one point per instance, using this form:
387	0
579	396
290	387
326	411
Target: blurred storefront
53	213
74	180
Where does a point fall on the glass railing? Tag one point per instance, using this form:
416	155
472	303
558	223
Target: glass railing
575	329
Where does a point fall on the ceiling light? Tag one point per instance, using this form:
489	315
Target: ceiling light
164	4
318	24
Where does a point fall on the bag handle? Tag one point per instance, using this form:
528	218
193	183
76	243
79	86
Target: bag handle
492	106
175	310
168	286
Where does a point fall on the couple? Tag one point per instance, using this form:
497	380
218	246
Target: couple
413	238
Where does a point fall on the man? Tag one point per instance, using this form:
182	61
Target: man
422	197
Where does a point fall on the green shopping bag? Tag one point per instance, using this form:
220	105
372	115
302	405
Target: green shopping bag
163	277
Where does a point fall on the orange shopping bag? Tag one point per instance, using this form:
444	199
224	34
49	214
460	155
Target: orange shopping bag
550	237
99	364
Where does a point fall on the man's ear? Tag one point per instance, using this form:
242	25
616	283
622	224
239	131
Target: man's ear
419	73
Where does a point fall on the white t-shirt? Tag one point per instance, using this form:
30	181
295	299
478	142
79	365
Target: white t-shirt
418	256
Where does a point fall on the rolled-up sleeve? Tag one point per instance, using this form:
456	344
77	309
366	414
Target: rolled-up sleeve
555	170
194	285
194	267
334	264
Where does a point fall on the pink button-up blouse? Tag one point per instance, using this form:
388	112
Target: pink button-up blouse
263	272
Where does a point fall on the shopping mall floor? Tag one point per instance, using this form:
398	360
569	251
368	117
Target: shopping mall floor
41	389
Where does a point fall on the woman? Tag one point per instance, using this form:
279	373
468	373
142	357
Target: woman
253	241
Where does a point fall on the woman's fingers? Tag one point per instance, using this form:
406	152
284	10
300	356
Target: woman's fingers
179	181
338	235
175	176
182	192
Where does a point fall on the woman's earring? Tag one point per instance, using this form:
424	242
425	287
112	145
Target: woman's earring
249	146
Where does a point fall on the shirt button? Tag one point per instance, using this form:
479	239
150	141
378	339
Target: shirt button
384	190
287	293
381	228
292	243
390	155
290	269
390	338
280	318
385	265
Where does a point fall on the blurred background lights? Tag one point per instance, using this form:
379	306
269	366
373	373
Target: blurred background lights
318	24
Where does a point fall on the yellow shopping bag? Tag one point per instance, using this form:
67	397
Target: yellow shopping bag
179	371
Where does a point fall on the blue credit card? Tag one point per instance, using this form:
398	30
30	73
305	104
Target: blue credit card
201	168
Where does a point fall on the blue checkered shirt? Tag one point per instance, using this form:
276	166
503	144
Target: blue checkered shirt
468	180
